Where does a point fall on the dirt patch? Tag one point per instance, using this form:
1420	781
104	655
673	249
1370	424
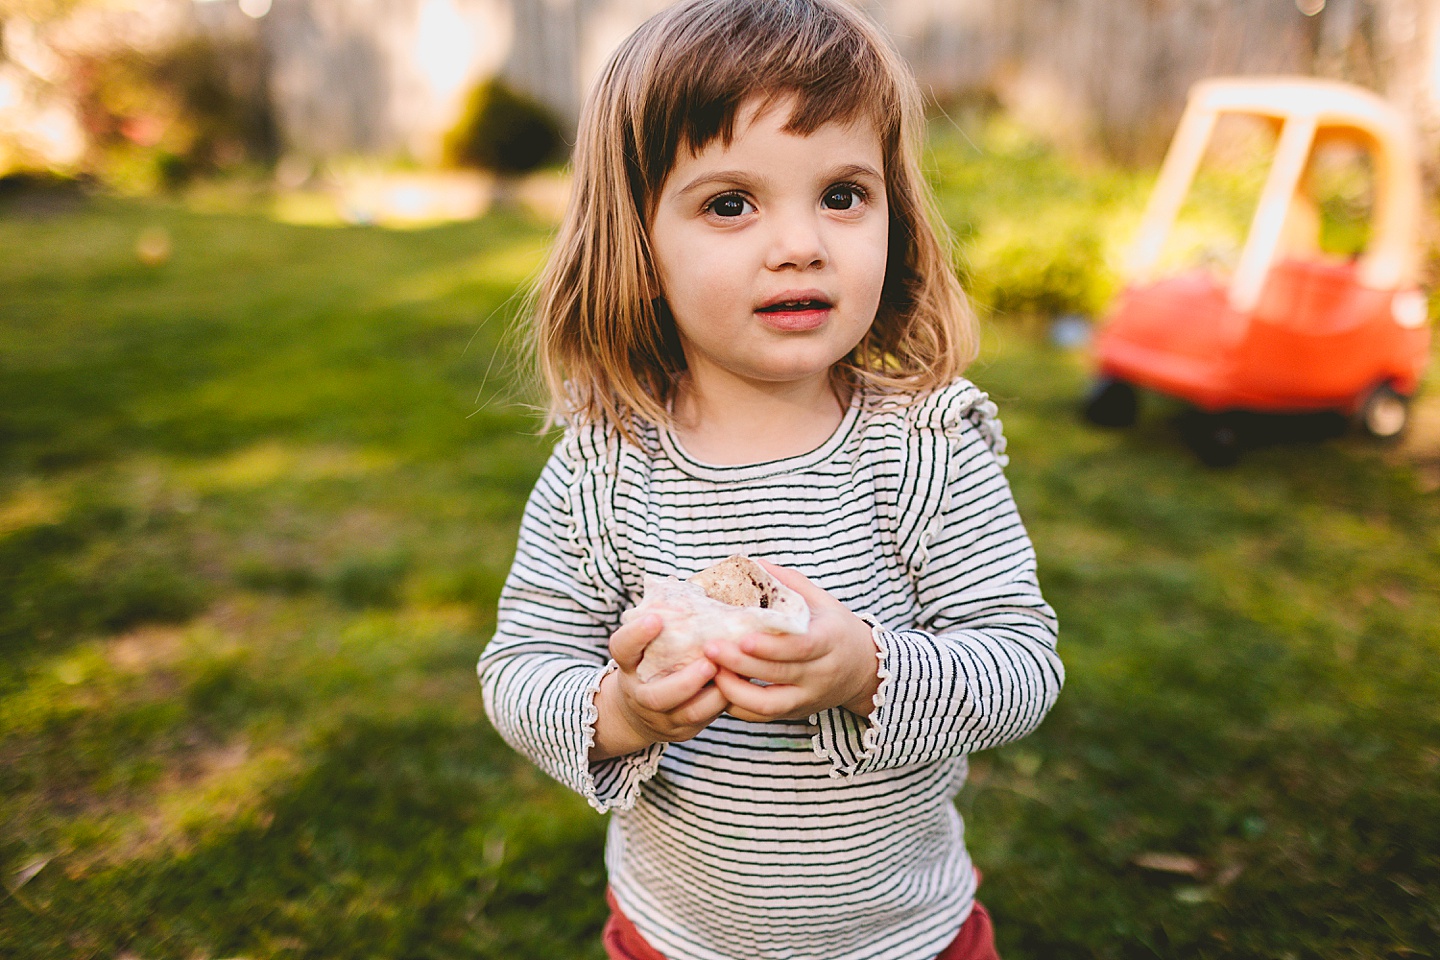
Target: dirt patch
146	650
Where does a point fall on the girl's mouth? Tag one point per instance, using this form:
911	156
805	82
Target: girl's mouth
795	314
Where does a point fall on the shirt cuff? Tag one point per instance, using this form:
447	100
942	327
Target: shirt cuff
846	739
612	783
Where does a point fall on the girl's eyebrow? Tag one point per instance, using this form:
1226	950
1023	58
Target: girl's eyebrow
852	170
717	178
743	178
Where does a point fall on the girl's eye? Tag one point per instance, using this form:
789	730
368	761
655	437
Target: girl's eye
730	205
843	196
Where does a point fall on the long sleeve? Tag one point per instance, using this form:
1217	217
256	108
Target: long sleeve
979	668
541	671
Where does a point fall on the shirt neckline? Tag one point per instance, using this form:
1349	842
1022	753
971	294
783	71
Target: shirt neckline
701	470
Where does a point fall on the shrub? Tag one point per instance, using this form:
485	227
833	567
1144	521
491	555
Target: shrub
157	119
1038	273
1039	234
503	131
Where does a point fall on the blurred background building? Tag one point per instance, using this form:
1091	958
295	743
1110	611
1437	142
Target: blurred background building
392	78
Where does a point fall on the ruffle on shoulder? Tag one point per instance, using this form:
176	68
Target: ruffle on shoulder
951	409
609	476
957	413
923	446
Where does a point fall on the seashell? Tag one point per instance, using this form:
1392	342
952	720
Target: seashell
727	601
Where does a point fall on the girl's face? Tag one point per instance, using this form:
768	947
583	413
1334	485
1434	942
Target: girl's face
771	251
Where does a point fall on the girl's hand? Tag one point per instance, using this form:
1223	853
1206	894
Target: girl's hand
632	715
832	665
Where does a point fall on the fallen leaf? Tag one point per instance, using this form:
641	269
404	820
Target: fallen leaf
27	873
1169	863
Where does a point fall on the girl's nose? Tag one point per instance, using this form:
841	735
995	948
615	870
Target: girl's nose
796	243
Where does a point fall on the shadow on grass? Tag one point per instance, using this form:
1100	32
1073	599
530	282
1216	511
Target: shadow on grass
412	838
1250	694
60	595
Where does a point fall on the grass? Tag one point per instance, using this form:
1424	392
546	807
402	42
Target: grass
256	503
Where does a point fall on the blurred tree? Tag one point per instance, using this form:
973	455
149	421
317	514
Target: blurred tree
503	131
155	119
40	10
34	91
146	101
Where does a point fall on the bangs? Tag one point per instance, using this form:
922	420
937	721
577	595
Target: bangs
722	57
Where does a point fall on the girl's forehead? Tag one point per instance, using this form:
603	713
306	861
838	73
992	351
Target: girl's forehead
770	113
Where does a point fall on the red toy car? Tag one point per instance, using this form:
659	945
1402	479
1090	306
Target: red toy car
1291	330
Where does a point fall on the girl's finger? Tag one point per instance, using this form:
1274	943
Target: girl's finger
627	645
769	702
740	713
795	580
664	694
702	708
781	647
779	669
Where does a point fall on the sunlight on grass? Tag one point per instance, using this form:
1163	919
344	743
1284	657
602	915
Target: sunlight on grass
28	507
1036	235
506	268
268	463
306	208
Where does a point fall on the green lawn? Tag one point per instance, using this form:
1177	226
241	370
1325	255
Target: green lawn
256	504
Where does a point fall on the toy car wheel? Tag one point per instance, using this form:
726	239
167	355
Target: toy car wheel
1215	438
1384	413
1112	403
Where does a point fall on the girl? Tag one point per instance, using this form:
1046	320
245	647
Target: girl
752	334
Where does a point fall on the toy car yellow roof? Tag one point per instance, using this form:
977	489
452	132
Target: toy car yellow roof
1332	103
1303	108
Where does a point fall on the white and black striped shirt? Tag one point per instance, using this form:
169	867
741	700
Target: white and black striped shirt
832	839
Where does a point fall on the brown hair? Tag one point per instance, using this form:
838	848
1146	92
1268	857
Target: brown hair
605	348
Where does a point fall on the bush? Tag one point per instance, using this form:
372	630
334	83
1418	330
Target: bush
1039	236
155	120
1039	273
503	131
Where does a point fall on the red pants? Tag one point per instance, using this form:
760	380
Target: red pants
976	940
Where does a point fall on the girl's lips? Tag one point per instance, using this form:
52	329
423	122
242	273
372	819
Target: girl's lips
794	319
796	310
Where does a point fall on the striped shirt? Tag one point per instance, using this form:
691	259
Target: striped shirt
834	838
